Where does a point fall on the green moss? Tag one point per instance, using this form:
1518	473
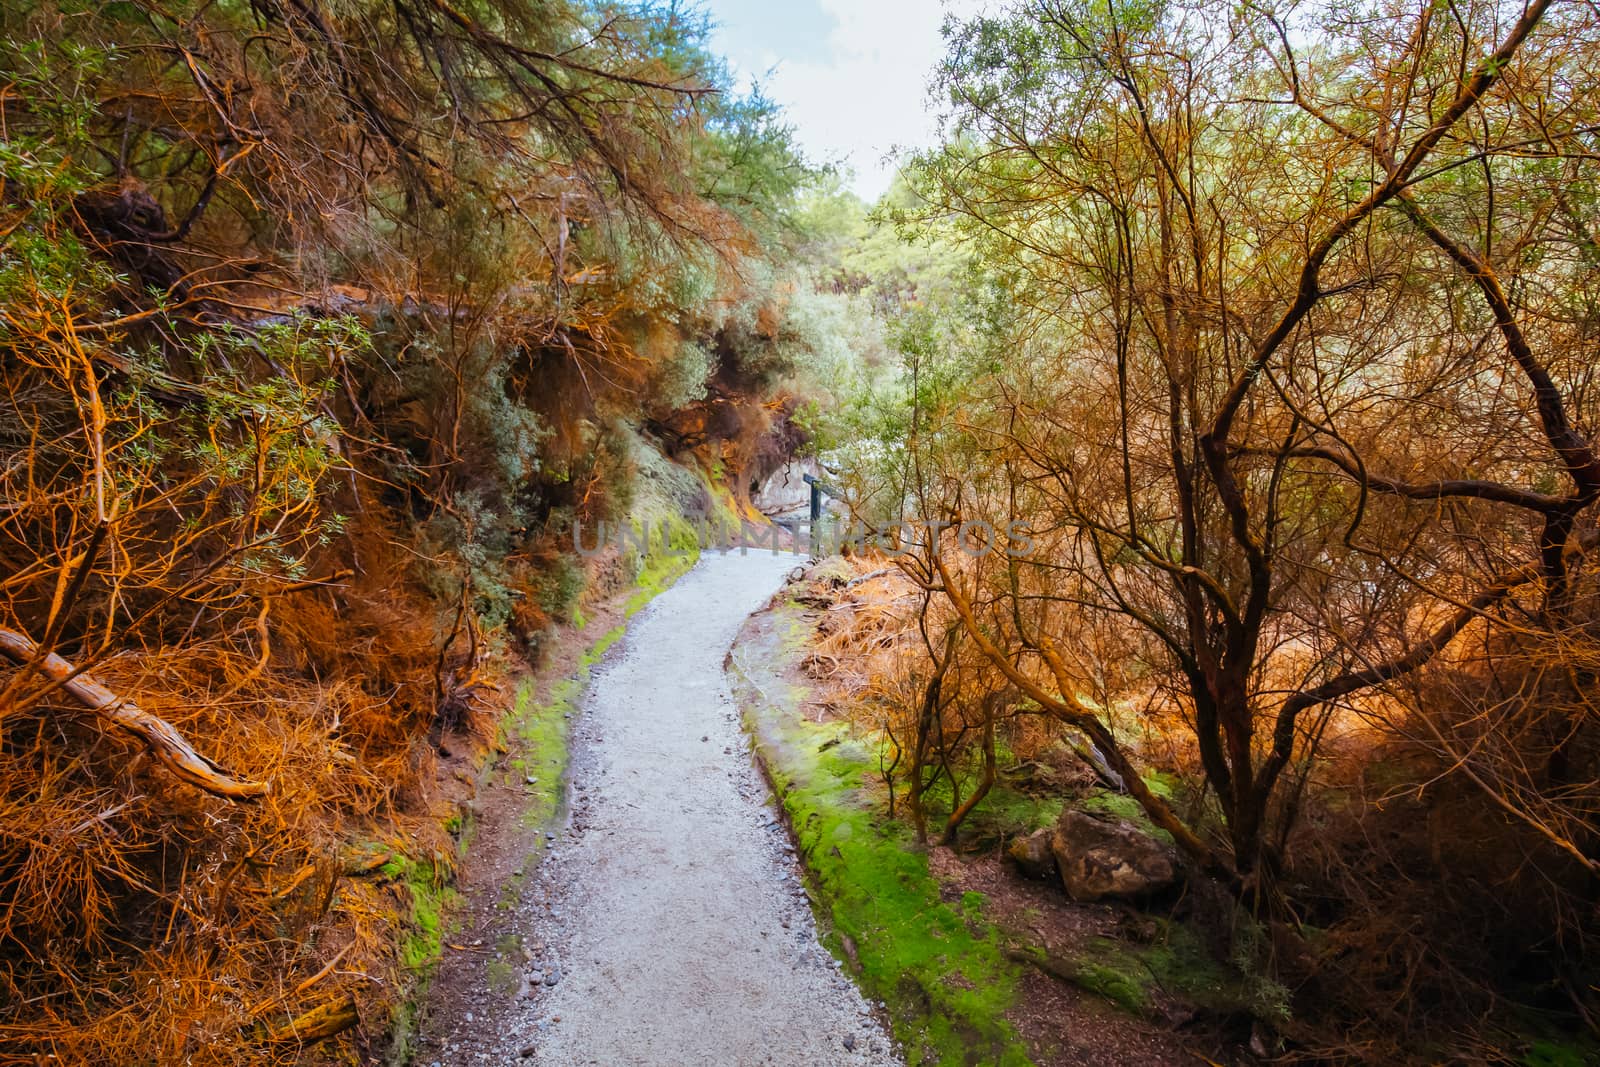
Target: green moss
673	549
1004	813
940	969
503	968
428	889
543	730
600	647
1121	988
1177	965
1576	1053
1126	808
1007	812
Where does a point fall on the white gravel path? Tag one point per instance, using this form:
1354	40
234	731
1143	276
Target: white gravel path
670	913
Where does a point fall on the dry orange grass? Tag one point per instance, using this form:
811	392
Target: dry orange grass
142	921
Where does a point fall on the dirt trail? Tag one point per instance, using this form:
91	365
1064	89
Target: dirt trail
668	925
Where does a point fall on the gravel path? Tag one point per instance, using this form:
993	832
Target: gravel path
669	920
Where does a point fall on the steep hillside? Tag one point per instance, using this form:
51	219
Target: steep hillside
326	330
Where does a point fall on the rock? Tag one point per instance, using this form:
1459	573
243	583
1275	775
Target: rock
527	1052
1032	854
1101	856
849	1042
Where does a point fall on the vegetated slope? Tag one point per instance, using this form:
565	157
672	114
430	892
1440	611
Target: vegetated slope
323	327
979	961
1269	394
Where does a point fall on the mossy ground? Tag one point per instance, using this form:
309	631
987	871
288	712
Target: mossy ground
1175	967
947	973
1004	813
541	731
427	884
939	966
674	548
429	899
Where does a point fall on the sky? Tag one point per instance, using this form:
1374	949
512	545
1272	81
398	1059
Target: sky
852	75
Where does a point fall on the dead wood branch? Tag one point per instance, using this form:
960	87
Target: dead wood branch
325	1020
159	736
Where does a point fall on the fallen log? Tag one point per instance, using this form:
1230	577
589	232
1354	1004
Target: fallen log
164	742
325	1020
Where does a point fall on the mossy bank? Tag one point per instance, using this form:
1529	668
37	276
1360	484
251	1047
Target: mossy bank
937	965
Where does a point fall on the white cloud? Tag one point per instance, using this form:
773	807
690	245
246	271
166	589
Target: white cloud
868	96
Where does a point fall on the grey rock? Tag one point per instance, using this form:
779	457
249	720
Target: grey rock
1101	856
1032	854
